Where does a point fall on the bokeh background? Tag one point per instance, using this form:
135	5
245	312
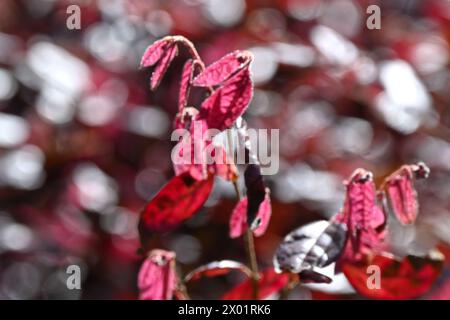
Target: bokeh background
84	143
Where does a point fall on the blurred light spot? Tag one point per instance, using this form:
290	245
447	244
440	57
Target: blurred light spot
96	191
55	105
264	65
430	56
9	46
304	9
333	46
294	54
13	130
311	119
187	248
405	101
105	43
435	152
119	221
265	103
20	281
343	16
225	13
16	237
300	182
58	68
148	182
158	23
351	135
266	22
148	121
8	85
97	110
22	168
112	8
365	70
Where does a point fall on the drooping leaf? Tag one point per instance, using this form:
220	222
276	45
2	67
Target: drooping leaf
155	51
185	85
311	276
364	219
256	190
217	268
401	194
157	279
238	218
408	278
219	71
269	283
226	104
315	245
161	68
176	202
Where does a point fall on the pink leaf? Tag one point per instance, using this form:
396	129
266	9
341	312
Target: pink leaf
157	278
186	78
238	219
161	68
216	73
261	222
226	104
154	52
401	194
217	268
222	167
362	216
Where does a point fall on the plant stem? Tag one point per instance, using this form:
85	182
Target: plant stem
248	236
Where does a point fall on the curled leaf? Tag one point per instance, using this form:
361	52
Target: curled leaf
256	190
219	71
157	279
185	85
217	268
391	278
226	104
176	202
238	218
364	219
155	51
163	64
401	194
315	245
269	283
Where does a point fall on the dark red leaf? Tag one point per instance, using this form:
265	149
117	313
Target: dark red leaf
226	104
217	268
256	190
218	72
157	279
269	283
399	279
177	201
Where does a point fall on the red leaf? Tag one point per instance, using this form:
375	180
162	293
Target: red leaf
186	78
269	283
176	202
160	69
401	194
362	216
399	279
221	167
238	218
217	268
154	52
226	104
157	278
216	73
256	190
